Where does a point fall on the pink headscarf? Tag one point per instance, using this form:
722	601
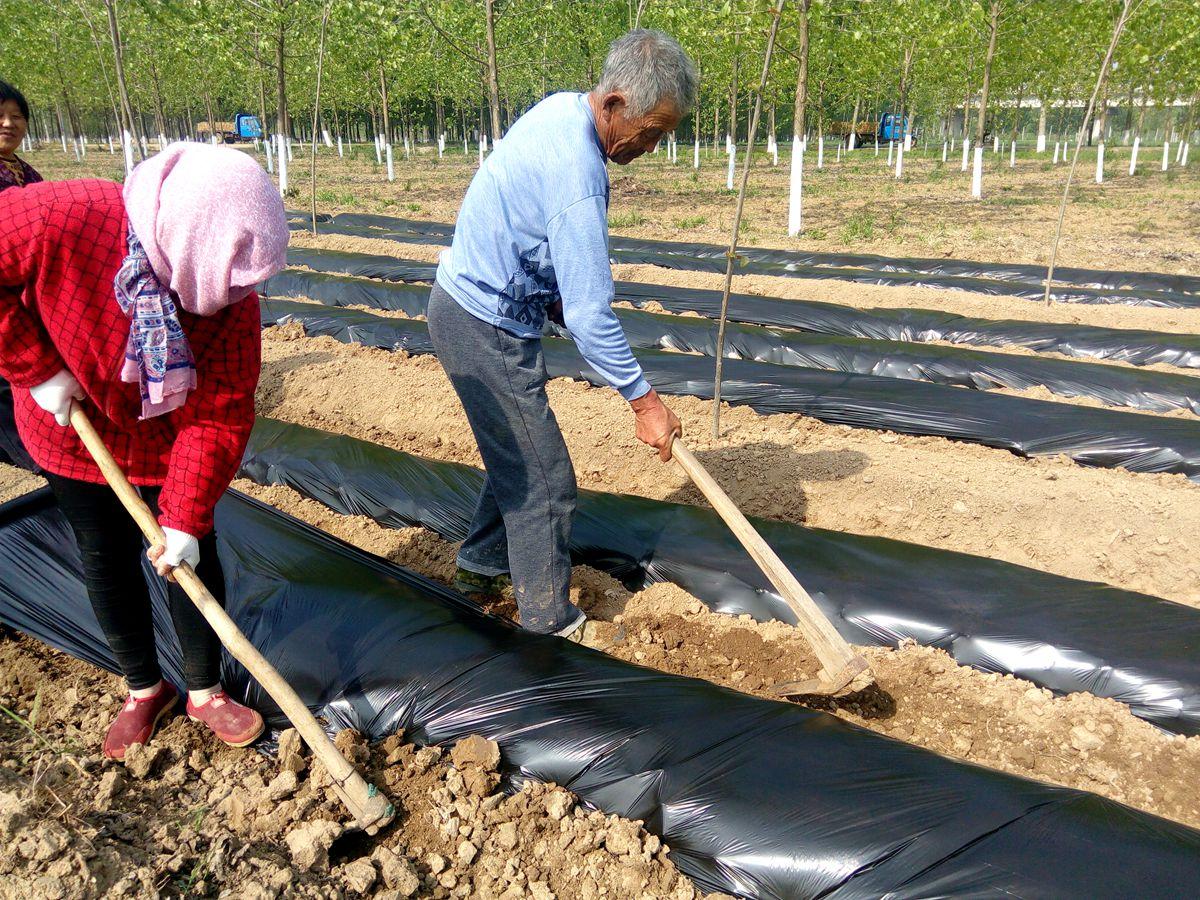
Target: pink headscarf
211	222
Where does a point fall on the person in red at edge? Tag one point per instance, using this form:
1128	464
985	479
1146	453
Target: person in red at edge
139	305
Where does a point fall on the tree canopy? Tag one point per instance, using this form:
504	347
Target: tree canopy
185	60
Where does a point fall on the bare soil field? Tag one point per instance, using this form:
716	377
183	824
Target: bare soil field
188	817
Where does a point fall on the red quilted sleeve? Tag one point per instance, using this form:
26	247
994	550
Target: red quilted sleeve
27	357
214	425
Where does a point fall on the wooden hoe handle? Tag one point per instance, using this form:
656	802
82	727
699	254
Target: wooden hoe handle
371	809
835	655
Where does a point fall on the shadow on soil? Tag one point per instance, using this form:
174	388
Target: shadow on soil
767	479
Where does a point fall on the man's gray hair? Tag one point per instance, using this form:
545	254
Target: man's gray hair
648	67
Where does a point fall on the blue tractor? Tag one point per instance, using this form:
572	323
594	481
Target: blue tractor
247	127
244	127
892	129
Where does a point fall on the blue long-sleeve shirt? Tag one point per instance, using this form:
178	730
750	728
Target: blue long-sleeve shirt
533	230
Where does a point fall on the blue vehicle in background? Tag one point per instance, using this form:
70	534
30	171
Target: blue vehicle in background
892	129
244	127
247	127
888	128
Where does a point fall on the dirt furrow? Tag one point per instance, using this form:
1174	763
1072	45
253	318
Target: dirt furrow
1142	531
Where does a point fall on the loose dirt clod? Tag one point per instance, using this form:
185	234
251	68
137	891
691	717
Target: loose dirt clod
186	815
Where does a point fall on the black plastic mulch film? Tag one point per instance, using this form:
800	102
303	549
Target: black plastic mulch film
1060	633
1112	385
1072	285
754	797
1135	346
1094	437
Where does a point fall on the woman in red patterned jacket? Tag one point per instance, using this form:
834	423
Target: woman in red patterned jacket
14	125
139	305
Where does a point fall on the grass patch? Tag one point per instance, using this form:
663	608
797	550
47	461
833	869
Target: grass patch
1014	201
631	219
815	234
344	199
691	221
413	207
859	227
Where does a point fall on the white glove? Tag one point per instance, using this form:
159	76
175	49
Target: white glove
181	548
56	394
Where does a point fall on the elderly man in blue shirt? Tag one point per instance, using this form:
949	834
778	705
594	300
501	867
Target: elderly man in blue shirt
531	241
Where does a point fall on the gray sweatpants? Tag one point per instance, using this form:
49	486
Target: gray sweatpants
522	523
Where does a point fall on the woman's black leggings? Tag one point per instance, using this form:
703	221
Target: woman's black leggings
112	549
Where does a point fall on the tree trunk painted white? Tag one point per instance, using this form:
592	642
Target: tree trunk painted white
1178	150
945	147
907	141
75	148
1041	138
696	152
1166	154
839	151
729	173
796	189
820	151
127	145
327	137
339	143
891	152
482	148
876	144
406	147
977	175
900	161
853	140
1012	155
379	149
966	154
111	148
267	145
995	143
1186	146
289	149
1137	141
283	161
387	149
1100	163
728	144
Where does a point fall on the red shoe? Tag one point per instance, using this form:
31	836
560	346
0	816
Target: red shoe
136	721
236	725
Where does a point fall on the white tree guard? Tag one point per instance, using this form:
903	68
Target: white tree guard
283	164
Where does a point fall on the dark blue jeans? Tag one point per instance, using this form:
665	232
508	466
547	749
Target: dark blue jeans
522	523
111	547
